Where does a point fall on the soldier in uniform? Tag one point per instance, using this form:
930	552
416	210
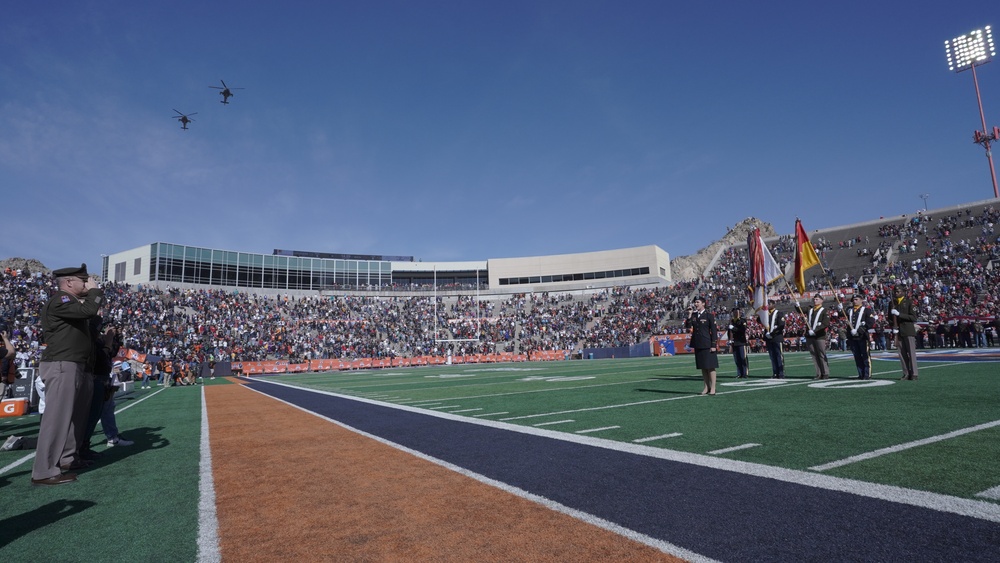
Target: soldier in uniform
65	319
774	338
904	314
817	322
738	339
704	337
859	320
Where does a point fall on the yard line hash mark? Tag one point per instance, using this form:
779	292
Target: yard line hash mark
906	446
554	422
651	438
588	431
733	449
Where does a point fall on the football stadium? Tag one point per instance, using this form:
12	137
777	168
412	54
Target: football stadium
437	411
528	282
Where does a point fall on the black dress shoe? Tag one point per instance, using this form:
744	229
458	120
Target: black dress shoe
79	464
57	480
89	455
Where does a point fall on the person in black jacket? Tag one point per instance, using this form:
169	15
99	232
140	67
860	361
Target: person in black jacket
774	339
903	315
738	340
8	367
859	320
704	336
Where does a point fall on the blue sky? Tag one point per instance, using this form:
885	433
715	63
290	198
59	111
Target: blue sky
469	130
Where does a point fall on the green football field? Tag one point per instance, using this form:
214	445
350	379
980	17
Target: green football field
938	434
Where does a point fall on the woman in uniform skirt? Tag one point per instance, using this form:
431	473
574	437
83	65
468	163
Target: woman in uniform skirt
704	337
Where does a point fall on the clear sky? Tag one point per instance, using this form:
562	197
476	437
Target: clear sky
468	130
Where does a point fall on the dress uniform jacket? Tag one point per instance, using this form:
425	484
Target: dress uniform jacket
65	322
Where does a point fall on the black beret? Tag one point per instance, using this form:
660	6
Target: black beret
80	272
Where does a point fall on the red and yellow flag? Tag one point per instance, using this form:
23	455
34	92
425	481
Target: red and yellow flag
805	257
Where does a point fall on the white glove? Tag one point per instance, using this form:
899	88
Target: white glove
797	304
895	312
730	327
812	333
854	332
895	331
840	306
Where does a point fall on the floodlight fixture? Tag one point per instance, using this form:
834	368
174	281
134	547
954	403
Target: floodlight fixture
970	50
967	52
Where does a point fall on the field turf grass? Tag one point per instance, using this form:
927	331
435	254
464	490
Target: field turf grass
771	470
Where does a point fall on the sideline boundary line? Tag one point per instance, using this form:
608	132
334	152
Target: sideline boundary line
14	464
661	545
208	521
982	510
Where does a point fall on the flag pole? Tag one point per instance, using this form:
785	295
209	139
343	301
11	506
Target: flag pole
819	261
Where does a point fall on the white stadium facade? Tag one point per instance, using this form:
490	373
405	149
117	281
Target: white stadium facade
165	265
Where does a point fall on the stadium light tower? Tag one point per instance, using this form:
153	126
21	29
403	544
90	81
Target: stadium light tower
967	52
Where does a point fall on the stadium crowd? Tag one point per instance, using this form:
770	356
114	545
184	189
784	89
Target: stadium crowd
949	278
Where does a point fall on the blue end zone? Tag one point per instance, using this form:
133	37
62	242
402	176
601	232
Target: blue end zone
719	514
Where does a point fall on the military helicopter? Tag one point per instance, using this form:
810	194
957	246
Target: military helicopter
226	91
184	119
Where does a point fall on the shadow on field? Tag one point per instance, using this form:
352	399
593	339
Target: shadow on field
667	392
145	439
23	524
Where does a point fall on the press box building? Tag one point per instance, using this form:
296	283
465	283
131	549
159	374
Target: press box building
165	265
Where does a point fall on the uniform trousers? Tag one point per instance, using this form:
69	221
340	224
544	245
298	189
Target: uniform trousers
740	357
907	346
817	349
67	396
777	356
95	409
862	357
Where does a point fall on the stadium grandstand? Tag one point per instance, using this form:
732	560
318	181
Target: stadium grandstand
306	308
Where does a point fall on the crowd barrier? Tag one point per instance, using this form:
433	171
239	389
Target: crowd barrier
284	366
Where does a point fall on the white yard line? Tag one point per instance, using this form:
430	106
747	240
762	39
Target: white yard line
208	522
554	422
601	429
906	446
651	438
733	449
993	493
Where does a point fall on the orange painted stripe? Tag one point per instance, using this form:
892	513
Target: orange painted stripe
294	486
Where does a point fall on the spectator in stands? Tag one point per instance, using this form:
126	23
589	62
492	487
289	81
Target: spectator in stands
904	317
817	322
8	366
774	336
738	340
704	339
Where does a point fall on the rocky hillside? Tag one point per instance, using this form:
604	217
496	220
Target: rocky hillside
691	267
29	264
